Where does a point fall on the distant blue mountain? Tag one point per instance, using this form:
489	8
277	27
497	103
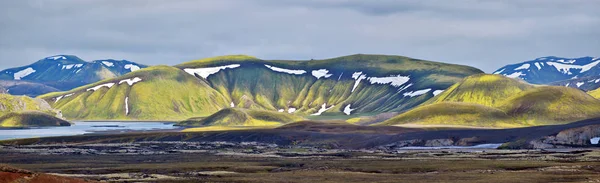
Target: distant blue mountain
65	72
580	73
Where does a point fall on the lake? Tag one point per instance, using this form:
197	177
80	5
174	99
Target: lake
80	128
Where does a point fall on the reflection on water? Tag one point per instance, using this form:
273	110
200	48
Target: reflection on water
79	128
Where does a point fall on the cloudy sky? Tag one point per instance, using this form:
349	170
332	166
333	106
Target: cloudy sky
482	33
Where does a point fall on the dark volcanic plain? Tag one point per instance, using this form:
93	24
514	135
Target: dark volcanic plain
318	152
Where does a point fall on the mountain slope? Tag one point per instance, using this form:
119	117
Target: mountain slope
551	105
32	89
484	89
582	73
514	104
31	119
242	117
23	111
454	114
66	72
339	86
595	93
551	69
154	93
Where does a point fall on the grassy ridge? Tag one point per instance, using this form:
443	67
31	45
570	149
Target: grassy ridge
484	89
595	93
31	119
169	93
165	93
498	101
551	104
454	113
242	117
10	103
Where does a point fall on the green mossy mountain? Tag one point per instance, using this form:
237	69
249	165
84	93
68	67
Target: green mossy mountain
357	83
595	93
23	111
30	119
242	117
10	103
484	89
498	101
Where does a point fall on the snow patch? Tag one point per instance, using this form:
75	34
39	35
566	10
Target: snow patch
500	71
126	106
357	76
538	66
58	57
58	98
108	64
515	75
323	109
289	71
321	73
131	81
132	67
597	81
595	140
23	73
291	110
417	93
437	92
348	110
100	86
524	66
205	72
566	68
579	84
70	66
280	110
392	80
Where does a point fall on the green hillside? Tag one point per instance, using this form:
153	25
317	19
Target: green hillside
454	113
595	93
161	92
340	86
10	103
551	105
484	89
31	119
498	101
242	117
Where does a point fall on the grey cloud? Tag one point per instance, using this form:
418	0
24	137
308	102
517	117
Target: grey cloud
485	34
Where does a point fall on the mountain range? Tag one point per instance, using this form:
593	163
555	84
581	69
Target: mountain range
348	85
582	73
61	72
241	90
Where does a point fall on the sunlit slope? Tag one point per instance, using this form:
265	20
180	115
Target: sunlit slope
497	101
454	113
484	89
10	103
340	86
31	119
242	117
595	93
154	93
551	105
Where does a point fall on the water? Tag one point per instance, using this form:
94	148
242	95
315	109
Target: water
80	128
595	140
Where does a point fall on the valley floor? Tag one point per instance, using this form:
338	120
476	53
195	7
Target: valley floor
256	162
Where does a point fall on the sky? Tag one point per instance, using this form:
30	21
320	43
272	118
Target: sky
486	34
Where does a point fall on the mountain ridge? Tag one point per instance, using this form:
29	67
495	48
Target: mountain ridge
66	72
364	83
